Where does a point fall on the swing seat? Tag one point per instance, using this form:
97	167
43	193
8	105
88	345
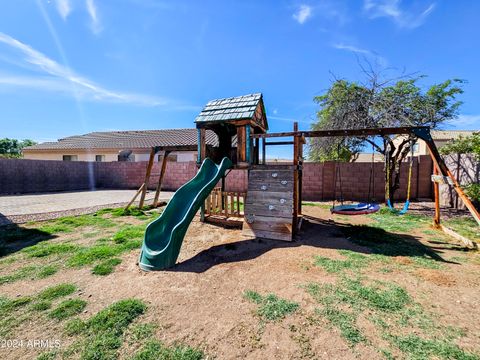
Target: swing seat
355	209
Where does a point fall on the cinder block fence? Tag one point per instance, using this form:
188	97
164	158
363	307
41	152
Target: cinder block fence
20	176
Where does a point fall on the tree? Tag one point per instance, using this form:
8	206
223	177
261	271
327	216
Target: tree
463	145
378	103
12	148
466	145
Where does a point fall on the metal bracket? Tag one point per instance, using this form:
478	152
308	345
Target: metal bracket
440	179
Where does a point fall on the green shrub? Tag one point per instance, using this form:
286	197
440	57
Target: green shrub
473	192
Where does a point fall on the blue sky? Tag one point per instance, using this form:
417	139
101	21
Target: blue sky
74	66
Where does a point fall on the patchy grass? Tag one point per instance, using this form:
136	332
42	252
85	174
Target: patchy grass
46	249
392	222
377	296
12	314
320	205
68	308
41	305
70	223
354	261
465	226
343	302
346	323
420	348
381	242
129	233
106	267
13	233
30	271
57	291
155	350
102	334
271	307
393	312
47	270
142	331
89	255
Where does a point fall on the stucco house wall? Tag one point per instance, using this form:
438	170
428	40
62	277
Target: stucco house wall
109	155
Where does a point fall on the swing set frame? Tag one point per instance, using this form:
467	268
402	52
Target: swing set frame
421	132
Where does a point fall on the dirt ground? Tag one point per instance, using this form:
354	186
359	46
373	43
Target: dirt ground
201	302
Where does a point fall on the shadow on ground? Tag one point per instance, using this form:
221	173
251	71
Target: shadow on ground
322	234
14	237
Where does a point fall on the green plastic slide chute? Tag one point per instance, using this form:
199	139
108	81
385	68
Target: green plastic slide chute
164	236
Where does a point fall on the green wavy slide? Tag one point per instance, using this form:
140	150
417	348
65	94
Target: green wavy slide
164	236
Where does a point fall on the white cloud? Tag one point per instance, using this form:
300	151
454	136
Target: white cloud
64	8
95	24
303	13
412	18
59	78
465	122
365	52
352	49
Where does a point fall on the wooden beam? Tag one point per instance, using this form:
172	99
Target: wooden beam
346	132
147	177
467	242
160	179
135	197
436	192
441	167
279	143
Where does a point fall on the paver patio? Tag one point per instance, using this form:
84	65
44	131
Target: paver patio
22	208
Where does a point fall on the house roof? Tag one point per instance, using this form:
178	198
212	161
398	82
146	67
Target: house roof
123	140
233	108
450	134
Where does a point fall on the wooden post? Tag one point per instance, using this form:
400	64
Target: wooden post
222	191
256	151
160	179
241	145
264	147
248	144
202	213
147	177
199	146
203	145
295	178
441	167
136	195
436	192
300	174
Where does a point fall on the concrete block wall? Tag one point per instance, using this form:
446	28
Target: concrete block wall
20	176
29	176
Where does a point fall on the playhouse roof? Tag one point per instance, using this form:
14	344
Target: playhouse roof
233	108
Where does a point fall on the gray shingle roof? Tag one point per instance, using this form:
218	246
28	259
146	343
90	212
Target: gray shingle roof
128	140
450	134
234	108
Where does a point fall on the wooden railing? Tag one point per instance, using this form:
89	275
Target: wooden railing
226	203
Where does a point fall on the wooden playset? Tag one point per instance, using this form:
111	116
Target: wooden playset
272	206
273	203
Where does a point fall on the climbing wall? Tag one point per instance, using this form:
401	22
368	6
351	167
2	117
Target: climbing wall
269	203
